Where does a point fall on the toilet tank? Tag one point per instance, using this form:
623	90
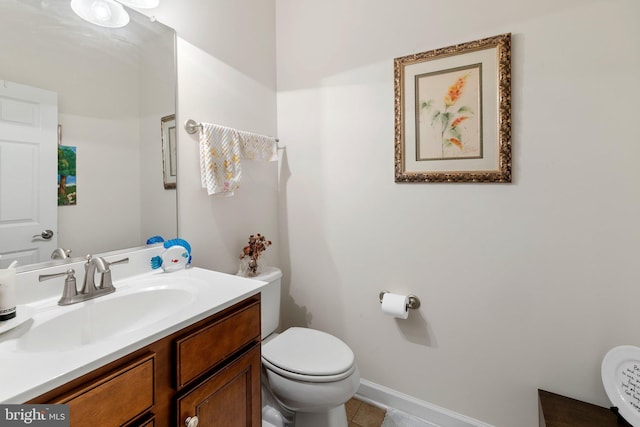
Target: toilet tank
270	299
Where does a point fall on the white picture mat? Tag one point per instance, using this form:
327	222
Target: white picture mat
489	162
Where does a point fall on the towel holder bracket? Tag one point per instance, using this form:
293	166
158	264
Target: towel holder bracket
191	126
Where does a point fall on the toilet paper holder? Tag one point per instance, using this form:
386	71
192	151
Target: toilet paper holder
414	301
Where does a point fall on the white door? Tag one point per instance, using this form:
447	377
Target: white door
28	173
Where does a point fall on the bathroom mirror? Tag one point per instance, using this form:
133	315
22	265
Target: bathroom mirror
113	88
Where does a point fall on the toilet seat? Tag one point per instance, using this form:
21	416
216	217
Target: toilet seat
308	355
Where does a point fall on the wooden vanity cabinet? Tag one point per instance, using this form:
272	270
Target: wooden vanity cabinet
210	369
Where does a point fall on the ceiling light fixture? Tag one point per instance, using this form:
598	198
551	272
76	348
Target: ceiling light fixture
105	13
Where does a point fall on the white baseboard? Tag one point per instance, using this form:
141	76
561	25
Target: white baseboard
385	397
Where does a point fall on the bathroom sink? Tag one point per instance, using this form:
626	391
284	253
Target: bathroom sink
100	319
57	344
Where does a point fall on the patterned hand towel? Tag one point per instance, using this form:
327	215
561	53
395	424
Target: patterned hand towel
219	159
258	147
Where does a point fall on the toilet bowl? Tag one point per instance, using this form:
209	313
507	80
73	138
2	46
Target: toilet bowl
310	373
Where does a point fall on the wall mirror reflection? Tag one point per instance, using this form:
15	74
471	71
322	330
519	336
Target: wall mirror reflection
108	90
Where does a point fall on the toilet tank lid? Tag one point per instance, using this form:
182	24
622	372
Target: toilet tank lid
309	352
268	274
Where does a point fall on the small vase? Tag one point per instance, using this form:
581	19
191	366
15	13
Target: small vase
249	267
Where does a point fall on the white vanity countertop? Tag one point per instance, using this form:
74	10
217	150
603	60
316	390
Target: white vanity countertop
27	371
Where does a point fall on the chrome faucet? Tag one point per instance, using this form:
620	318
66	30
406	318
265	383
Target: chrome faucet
71	295
61	253
92	265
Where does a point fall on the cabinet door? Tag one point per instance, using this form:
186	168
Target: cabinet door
228	398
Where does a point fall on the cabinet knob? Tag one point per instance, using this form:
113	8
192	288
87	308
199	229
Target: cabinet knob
191	421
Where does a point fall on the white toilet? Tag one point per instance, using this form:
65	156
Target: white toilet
309	372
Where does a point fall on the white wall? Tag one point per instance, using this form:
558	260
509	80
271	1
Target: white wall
525	285
107	213
226	75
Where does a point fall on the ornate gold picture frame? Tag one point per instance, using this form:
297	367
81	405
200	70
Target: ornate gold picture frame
453	113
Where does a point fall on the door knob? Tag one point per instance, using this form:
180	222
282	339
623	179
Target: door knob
46	235
191	421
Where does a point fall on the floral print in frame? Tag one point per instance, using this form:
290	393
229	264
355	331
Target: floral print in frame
448	114
453	113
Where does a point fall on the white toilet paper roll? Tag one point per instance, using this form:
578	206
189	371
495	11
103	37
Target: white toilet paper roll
395	305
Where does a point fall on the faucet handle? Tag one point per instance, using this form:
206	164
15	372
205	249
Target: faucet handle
120	261
69	273
70	289
106	282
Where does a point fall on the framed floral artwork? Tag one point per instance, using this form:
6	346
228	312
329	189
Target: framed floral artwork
453	113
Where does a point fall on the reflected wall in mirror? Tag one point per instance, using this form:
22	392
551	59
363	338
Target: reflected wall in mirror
113	87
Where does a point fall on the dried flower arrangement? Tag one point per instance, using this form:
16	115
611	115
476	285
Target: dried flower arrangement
250	254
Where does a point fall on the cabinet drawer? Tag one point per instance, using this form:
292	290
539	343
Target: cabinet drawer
203	349
116	398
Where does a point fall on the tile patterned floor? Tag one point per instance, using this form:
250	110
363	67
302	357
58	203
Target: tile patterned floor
361	414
